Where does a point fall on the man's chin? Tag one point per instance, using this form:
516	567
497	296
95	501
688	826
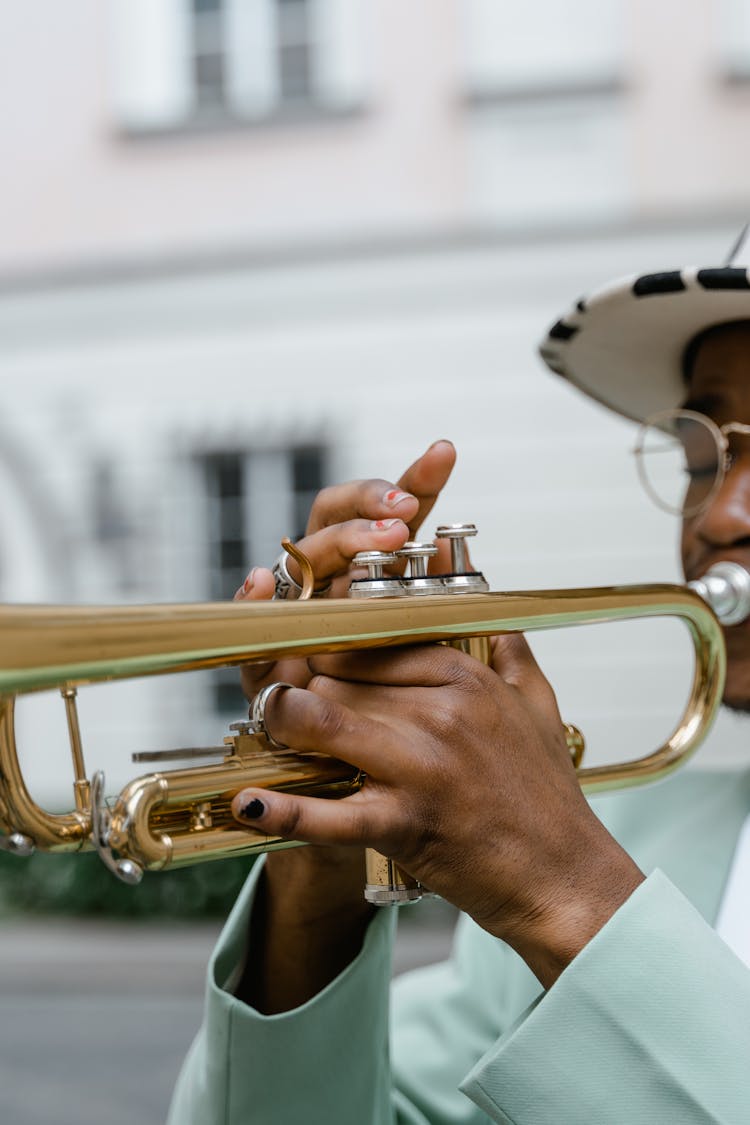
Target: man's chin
737	687
740	705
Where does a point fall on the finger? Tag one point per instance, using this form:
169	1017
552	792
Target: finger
516	665
426	478
411	499
307	721
514	661
427	665
351	820
258	585
254	677
360	499
332	549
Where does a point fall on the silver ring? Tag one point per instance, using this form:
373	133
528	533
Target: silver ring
285	588
258	713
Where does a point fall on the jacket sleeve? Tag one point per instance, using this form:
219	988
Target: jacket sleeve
649	1023
326	1061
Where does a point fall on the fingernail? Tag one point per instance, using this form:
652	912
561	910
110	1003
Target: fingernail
395	497
253	809
383	525
247	585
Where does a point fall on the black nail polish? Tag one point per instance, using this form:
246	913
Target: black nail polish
254	809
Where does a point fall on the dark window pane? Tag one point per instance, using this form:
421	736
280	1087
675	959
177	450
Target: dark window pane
294	21
209	76
231	518
228	697
294	71
227	561
231	554
207	5
308	468
223	583
225	474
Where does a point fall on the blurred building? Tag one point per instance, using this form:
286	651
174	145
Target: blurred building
251	246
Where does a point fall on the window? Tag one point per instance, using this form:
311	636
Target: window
254	499
208	52
179	62
734	46
111	526
228	555
541	45
294	49
220	65
546	136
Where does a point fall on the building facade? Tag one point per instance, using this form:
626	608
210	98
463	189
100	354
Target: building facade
253	246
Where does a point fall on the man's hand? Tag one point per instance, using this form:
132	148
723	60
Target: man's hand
469	787
310	917
363	515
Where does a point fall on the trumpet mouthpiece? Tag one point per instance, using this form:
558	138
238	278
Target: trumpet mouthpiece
726	588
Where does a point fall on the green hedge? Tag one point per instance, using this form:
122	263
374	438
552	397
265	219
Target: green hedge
80	884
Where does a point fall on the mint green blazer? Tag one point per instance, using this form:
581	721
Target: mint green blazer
649	1024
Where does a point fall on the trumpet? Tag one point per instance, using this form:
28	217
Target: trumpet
173	817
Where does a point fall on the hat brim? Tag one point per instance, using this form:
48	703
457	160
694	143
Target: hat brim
624	344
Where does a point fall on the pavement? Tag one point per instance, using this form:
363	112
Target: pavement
96	1016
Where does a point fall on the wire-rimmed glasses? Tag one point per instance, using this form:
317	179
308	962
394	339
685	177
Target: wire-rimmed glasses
683	457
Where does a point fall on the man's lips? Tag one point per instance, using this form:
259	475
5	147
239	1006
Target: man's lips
699	569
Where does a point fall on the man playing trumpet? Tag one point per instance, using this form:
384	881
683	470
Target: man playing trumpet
586	984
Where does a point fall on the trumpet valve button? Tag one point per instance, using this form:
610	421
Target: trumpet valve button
417	555
376	584
374	561
457	533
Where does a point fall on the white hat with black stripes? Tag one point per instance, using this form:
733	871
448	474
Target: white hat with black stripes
624	344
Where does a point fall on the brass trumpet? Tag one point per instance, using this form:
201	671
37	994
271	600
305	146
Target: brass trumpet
176	817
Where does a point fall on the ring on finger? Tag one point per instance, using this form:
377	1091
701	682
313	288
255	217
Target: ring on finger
258	713
285	587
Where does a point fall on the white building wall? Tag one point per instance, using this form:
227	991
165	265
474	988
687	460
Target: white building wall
87	187
459	115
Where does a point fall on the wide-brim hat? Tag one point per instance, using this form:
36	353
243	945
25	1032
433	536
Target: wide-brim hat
624	344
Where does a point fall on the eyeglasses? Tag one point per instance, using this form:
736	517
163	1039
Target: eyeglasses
683	457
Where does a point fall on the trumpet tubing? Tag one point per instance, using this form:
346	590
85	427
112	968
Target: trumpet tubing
173	817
